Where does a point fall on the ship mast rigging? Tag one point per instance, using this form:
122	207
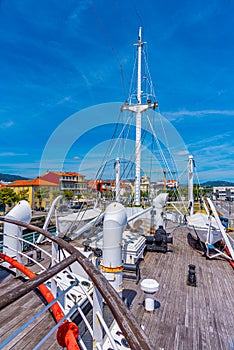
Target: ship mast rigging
138	108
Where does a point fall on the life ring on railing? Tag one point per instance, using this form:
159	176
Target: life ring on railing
67	334
68	331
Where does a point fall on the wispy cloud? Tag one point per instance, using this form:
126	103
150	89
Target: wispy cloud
12	154
216	174
7	124
87	81
181	153
200	113
206	142
83	5
60	57
216	159
64	100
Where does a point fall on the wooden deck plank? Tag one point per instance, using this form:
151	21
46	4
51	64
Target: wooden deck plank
188	317
18	313
37	332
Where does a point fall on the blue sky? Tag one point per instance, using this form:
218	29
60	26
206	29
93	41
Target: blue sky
59	57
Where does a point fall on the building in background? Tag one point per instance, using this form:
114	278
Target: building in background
41	192
223	193
72	181
38	192
172	184
230	194
145	185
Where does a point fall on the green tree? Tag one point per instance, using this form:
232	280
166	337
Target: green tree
23	195
68	195
8	196
196	192
144	194
57	193
173	194
41	194
206	191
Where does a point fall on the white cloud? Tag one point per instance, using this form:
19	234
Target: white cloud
216	174
74	17
206	142
12	154
7	124
86	80
63	100
200	113
181	153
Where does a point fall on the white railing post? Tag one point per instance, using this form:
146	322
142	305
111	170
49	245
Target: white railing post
97	327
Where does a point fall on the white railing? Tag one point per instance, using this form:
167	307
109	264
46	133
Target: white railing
131	331
67	290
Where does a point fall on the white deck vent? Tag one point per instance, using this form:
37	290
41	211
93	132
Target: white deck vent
149	287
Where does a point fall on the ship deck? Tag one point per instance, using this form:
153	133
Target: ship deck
17	314
187	317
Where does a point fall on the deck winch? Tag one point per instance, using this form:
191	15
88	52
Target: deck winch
158	242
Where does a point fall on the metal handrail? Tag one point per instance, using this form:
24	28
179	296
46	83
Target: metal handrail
17	293
25	256
41	266
133	333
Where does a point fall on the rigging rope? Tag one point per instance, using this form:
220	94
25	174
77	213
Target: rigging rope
158	144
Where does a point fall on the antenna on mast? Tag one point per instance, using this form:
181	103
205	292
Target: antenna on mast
139	44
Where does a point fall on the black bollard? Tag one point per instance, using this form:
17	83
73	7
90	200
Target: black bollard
30	262
39	258
192	281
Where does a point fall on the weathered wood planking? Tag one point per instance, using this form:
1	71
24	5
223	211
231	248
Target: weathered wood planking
188	317
17	314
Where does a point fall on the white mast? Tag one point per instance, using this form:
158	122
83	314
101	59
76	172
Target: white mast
138	109
190	184
117	180
138	126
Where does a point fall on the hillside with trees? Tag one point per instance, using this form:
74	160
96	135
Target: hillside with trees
10	178
217	183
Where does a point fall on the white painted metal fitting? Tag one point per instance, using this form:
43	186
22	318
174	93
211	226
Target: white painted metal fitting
149	287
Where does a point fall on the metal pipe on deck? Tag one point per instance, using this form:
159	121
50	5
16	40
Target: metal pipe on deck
115	221
159	204
134	216
12	245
